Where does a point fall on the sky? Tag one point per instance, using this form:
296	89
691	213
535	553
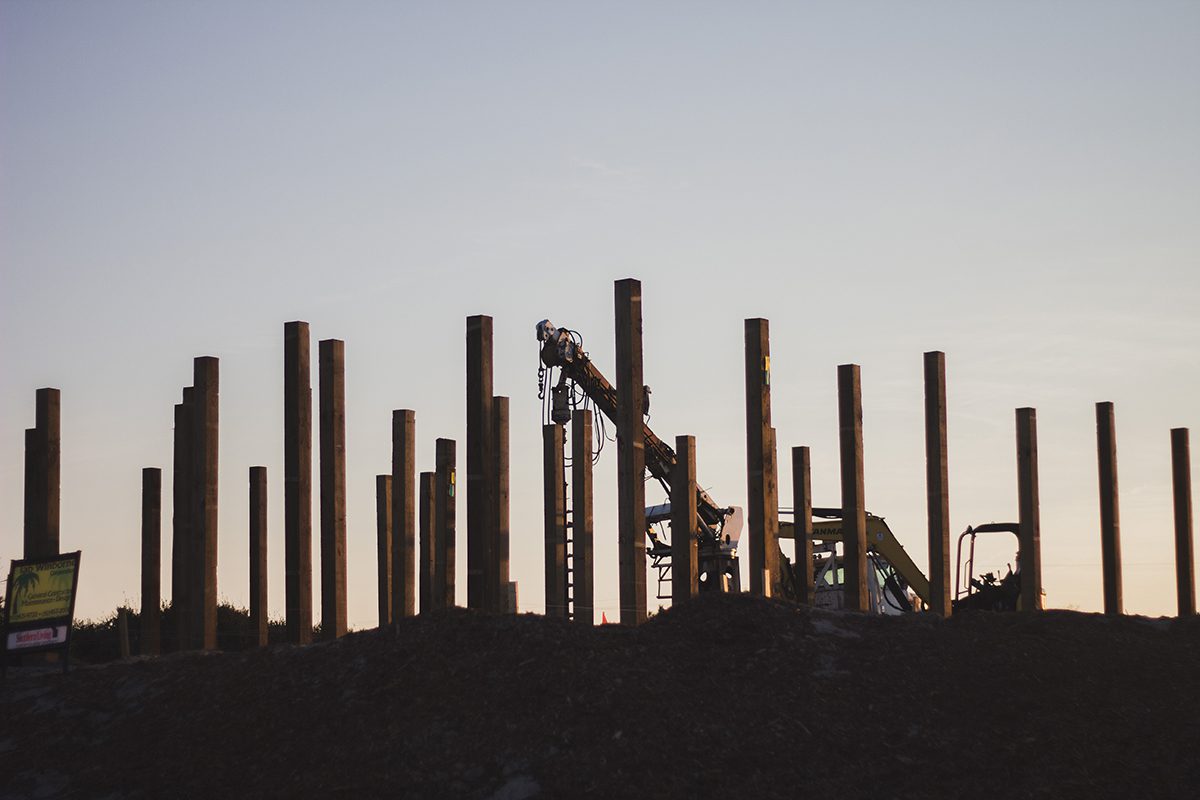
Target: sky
1016	184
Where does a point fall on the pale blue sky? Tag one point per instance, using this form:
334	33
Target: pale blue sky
1013	183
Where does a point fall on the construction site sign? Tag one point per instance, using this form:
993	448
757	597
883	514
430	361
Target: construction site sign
39	604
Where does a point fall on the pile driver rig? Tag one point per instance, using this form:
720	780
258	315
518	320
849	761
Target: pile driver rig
580	382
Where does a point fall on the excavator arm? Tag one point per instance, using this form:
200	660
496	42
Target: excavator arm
880	540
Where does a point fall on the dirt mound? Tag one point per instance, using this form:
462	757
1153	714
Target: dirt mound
731	696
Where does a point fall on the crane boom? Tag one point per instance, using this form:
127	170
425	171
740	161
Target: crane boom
718	527
559	350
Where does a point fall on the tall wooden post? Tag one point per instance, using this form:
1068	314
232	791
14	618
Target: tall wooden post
483	576
500	431
204	501
181	520
802	524
1110	524
42	476
30	541
1029	555
383	545
123	633
150	619
685	559
582	524
763	496
446	502
555	520
854	509
42	481
430	598
332	370
937	483
297	479
404	517
258	555
631	453
1181	480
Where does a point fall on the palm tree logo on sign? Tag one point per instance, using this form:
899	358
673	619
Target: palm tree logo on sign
23	584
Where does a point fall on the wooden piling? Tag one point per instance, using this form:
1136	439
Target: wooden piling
383	546
150	620
42	476
331	357
204	503
483	569
854	510
297	477
500	452
1110	524
446	502
772	580
181	520
582	522
258	556
1181	480
430	599
762	513
123	633
937	483
685	566
404	518
555	520
802	525
30	536
631	453
1029	555
49	404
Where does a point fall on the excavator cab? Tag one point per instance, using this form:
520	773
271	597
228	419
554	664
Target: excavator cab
987	590
886	592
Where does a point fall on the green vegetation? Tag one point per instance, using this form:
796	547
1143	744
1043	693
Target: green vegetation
95	641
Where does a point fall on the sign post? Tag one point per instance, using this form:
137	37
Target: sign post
39	606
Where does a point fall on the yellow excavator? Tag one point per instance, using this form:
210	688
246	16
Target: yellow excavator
895	584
